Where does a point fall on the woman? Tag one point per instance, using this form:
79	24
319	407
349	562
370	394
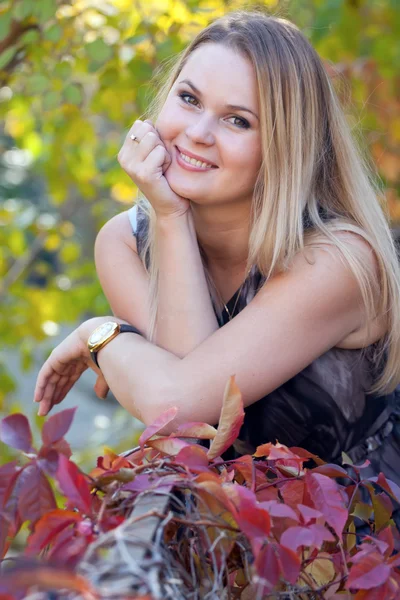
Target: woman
261	250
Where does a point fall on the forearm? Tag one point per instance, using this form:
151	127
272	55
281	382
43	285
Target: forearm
138	373
185	315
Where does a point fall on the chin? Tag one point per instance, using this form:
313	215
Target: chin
182	188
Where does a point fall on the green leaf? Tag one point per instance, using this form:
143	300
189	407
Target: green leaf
29	37
22	10
51	100
137	39
44	9
6	56
37	83
99	51
53	33
73	93
63	70
5	22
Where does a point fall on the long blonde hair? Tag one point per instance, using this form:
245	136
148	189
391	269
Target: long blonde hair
313	183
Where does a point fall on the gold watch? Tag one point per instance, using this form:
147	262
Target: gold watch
105	333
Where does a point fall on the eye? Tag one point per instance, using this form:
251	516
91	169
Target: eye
243	124
184	95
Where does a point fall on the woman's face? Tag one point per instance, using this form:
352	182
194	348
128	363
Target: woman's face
197	119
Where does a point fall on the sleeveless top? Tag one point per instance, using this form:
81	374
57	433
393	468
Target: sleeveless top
325	408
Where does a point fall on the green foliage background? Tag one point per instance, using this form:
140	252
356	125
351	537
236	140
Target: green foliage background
74	75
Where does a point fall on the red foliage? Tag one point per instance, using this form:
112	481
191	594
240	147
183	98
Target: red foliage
299	522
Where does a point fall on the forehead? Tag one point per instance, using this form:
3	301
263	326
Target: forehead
221	71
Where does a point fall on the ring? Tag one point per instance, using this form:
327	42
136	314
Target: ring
134	138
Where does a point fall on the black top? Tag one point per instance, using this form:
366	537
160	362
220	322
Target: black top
325	408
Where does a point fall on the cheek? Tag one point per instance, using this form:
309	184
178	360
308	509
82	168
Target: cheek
248	161
167	123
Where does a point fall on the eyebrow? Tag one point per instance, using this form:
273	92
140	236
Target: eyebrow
231	106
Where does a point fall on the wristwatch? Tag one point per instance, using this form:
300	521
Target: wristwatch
104	334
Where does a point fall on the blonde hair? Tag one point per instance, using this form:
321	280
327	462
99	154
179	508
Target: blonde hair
313	182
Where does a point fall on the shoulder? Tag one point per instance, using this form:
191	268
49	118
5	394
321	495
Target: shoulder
348	244
120	228
336	260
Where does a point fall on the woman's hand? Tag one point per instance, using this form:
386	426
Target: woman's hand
145	161
63	368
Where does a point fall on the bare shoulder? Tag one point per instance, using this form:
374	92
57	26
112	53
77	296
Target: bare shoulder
117	229
368	332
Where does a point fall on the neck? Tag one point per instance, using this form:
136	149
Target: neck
223	234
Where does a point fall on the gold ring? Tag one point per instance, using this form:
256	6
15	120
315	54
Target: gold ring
134	138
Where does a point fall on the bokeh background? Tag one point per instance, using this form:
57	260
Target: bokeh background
74	75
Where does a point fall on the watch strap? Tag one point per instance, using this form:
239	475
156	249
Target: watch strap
123	328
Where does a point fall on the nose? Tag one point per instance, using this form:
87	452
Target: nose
200	131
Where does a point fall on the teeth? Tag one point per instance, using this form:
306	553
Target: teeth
193	161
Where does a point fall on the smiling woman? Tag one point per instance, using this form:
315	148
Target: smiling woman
260	249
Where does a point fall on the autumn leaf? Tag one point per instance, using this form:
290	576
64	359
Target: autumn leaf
73	485
327	499
15	431
163	420
202	431
56	426
36	497
231	420
167	445
194	457
311	536
370	572
48	527
50	578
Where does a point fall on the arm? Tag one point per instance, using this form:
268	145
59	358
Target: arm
121	273
293	320
185	316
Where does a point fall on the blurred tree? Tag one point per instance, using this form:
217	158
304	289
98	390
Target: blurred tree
74	75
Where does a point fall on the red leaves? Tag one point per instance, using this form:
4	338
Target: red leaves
57	426
15	431
369	573
194	457
158	424
231	419
202	431
327	499
48	527
275	562
289	513
73	484
36	497
49	578
312	536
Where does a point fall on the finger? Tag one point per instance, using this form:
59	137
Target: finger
101	387
44	407
139	129
154	161
149	141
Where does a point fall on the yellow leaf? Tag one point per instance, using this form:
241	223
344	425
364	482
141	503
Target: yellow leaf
321	569
16	242
123	192
67	229
69	252
52	242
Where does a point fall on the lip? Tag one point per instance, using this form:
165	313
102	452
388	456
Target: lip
196	157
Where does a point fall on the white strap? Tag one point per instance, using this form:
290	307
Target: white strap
132	213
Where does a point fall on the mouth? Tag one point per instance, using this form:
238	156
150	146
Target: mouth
193	162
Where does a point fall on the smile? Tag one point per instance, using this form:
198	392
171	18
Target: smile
192	164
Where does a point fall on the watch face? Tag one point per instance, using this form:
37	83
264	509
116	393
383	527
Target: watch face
101	333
